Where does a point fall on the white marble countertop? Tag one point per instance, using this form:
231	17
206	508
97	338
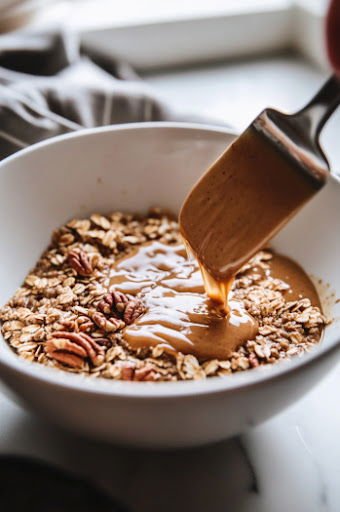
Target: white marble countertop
291	462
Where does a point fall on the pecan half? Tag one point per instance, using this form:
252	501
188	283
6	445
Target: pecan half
80	262
113	304
134	308
118	305
72	349
110	324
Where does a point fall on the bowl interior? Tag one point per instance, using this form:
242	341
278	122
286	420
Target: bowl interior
132	168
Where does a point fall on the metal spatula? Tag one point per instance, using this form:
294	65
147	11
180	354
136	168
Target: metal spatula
258	184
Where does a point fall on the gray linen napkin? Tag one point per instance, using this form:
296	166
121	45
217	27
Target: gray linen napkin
49	85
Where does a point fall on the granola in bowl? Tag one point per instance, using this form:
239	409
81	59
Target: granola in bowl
66	316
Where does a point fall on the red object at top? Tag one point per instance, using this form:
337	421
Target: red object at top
333	34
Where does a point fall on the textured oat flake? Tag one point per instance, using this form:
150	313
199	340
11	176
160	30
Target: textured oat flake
62	293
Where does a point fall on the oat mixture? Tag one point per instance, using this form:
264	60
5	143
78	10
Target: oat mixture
63	317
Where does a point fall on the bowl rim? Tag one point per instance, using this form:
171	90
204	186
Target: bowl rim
159	390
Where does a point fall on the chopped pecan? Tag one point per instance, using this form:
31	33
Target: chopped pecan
68	324
84	323
118	305
81	324
129	371
72	349
145	374
80	262
104	342
110	324
253	360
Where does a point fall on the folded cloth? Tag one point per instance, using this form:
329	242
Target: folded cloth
50	85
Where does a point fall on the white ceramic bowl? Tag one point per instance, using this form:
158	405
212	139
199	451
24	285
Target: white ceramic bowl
133	167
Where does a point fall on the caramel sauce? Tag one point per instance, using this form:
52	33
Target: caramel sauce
239	204
179	316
